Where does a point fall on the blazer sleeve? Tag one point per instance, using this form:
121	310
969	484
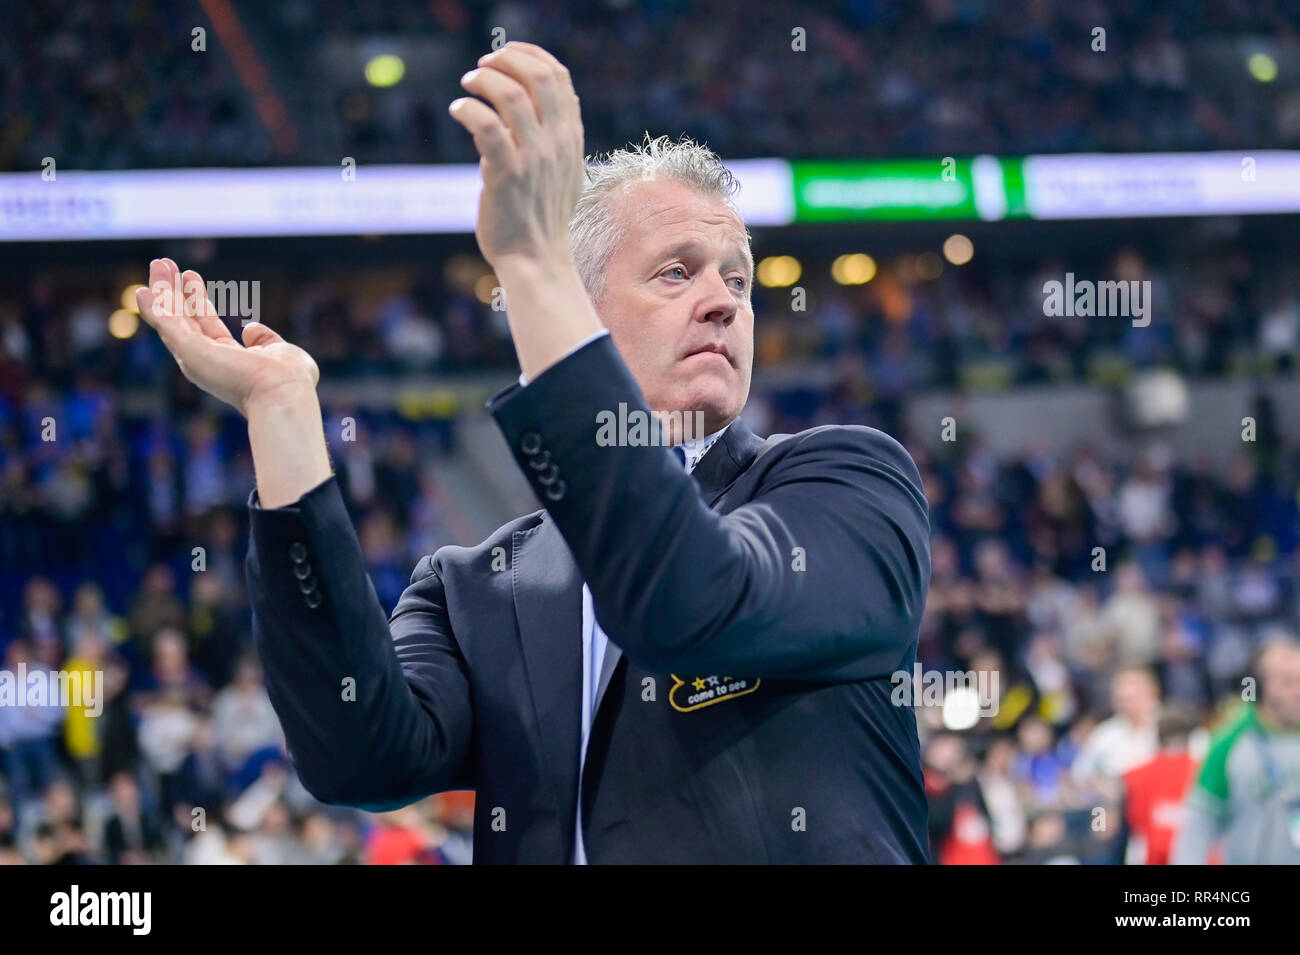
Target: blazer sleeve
375	709
821	576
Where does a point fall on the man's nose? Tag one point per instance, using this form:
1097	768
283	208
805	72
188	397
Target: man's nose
717	301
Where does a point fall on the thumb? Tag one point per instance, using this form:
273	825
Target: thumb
255	333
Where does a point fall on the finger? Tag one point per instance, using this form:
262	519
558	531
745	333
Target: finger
533	50
543	82
255	333
168	293
163	292
174	333
491	137
157	304
511	100
204	311
144	301
567	103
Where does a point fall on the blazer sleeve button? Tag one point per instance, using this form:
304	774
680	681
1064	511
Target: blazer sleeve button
298	552
550	477
313	599
302	571
556	490
307	585
531	443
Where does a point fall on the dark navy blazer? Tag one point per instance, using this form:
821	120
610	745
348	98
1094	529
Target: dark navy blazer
756	610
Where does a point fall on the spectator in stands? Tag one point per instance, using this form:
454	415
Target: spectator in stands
28	733
167	728
1040	770
402	837
1130	619
1002	796
1124	741
1247	793
960	829
155	607
131	835
244	724
1154	791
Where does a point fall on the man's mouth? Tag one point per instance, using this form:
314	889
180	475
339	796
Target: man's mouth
712	349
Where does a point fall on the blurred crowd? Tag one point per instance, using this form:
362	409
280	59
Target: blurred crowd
1133	623
110	85
1220	311
122	556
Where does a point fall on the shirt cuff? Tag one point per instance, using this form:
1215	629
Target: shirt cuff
523	381
255	502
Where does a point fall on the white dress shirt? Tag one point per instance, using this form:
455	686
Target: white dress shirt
594	641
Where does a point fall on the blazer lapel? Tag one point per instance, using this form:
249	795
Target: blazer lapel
612	655
549	610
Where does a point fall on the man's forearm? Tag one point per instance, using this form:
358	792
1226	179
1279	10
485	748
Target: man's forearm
289	453
548	308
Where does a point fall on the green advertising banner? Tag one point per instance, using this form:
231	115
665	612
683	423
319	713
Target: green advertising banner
983	187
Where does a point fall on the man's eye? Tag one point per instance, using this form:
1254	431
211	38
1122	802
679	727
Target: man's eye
737	278
676	268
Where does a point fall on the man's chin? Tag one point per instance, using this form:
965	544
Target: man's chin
716	410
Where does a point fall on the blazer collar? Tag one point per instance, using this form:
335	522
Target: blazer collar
729	457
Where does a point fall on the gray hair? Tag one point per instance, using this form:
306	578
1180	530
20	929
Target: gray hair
595	233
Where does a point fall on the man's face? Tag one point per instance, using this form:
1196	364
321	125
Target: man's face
1134	696
1281	675
677	301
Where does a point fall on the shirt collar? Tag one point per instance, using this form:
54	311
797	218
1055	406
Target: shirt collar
696	449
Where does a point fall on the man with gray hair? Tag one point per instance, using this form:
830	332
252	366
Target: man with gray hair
686	655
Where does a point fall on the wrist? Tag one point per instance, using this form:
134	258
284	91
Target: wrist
288	398
547	264
287	438
547	306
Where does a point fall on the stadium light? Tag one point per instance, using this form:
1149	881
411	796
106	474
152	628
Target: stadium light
961	708
128	298
958	249
1262	67
779	271
387	69
856	268
123	323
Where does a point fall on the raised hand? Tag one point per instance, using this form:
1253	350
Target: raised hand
264	368
531	149
533	169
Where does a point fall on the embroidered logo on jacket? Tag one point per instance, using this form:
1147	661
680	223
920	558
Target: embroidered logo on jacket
702	691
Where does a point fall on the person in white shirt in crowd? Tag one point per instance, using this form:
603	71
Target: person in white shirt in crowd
243	720
1125	740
